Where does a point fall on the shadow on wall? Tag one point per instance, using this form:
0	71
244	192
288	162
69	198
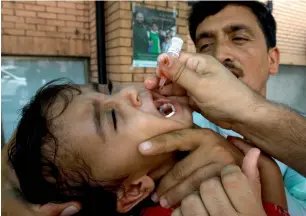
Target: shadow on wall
289	87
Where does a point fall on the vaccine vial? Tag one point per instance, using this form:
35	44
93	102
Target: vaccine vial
175	47
173	51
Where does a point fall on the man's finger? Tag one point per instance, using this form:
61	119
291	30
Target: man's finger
161	171
192	183
238	189
60	209
188	71
177	212
172	89
250	169
192	205
180	74
249	164
241	144
151	82
215	198
181	140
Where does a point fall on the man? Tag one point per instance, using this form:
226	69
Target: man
140	35
241	36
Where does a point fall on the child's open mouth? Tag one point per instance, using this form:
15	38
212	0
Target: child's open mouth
165	107
167	110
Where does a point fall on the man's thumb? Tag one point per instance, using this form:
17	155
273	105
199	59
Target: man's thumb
62	209
179	72
249	164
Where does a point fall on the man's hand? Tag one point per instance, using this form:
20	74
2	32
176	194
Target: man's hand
233	194
209	153
221	97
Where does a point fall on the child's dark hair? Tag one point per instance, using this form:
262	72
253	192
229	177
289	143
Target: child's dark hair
202	9
34	168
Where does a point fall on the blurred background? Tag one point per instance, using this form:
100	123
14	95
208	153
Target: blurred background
90	41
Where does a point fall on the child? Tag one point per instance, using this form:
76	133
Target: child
74	143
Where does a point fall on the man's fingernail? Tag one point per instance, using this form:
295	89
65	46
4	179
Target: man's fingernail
154	197
145	146
163	203
229	169
71	210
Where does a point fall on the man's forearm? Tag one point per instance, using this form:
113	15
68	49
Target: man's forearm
278	131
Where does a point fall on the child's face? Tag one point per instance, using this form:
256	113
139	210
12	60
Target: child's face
154	27
88	129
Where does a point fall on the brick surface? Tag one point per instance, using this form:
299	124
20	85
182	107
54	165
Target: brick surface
8	31
34	28
15	19
25	26
47	3
68	28
55	10
66	4
55	22
35	21
7	11
24	13
32	7
66	17
46	15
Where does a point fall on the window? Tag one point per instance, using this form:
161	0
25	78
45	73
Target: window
21	77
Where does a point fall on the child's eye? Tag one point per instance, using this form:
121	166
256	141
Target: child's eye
114	119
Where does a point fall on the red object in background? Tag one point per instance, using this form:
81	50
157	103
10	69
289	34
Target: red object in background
270	209
274	210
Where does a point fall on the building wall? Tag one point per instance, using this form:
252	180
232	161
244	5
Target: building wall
93	42
291	30
119	33
45	28
59	28
289	87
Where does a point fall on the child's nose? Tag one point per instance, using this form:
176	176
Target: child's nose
132	95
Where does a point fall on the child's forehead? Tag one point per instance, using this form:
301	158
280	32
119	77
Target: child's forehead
95	87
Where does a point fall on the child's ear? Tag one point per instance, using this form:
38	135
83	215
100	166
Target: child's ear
133	193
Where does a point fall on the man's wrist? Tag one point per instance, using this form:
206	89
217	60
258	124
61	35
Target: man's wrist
259	113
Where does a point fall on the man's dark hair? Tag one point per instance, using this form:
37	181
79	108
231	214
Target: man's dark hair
202	9
35	164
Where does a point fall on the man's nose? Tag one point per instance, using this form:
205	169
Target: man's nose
222	52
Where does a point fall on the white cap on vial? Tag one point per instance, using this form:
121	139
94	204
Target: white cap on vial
176	46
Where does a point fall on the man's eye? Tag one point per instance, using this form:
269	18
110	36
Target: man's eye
204	47
239	39
114	119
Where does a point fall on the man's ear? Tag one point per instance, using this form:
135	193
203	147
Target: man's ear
274	59
133	193
59	209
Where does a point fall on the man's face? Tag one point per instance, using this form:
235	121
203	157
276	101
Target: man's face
105	130
139	18
233	36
